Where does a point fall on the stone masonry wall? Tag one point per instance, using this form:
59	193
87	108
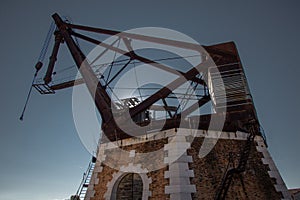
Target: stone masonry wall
254	183
113	155
204	174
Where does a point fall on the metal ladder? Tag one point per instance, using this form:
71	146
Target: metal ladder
82	190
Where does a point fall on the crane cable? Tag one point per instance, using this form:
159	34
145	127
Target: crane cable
28	96
46	42
113	61
39	65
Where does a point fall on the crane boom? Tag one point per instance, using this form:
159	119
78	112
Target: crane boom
222	57
102	99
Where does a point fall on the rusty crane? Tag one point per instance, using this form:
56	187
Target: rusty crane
239	114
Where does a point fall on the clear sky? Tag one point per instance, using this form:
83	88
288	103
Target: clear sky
42	157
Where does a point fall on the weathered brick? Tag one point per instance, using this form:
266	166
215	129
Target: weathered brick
254	183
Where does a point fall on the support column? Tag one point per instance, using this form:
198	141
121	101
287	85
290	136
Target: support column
179	173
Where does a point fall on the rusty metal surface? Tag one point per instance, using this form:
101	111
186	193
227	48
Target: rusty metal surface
102	100
238	101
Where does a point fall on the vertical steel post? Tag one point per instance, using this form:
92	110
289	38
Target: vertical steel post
53	57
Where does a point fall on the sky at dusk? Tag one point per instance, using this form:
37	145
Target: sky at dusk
42	157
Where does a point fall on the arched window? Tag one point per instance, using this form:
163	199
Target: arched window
130	187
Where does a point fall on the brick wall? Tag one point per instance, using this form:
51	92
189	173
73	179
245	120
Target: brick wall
254	183
207	172
113	155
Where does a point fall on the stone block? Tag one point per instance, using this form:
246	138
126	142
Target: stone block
171	189
187	173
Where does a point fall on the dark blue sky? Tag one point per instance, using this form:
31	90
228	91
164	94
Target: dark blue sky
42	157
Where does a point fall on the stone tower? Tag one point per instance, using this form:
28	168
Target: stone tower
194	160
188	177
